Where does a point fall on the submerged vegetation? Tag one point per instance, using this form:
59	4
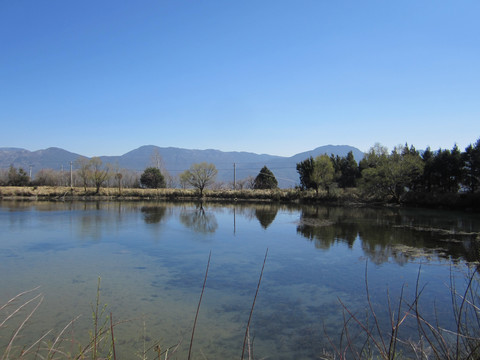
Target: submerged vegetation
20	309
363	336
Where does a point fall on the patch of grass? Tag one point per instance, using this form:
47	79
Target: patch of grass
79	193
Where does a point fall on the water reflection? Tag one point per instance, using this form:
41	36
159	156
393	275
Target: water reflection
96	219
153	214
198	219
400	235
387	234
266	214
159	270
326	226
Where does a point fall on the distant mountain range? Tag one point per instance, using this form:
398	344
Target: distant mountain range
176	160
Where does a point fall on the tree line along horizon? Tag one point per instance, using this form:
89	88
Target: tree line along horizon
380	172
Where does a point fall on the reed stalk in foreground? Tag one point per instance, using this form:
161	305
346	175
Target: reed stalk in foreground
461	342
113	337
18	329
247	330
433	342
198	307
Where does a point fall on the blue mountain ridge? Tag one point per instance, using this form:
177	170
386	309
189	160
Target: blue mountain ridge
176	160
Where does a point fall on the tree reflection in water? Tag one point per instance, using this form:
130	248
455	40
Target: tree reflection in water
326	226
266	214
198	219
153	214
388	234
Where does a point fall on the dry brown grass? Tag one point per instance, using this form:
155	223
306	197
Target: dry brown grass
65	192
79	193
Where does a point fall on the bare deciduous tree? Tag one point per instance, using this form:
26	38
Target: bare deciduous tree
200	176
84	170
99	173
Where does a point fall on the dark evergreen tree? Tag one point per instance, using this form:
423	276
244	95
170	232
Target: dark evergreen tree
410	150
17	177
456	167
265	180
152	178
336	161
305	170
428	158
447	170
471	167
348	171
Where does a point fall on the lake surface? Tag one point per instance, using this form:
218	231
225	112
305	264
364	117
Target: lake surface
152	257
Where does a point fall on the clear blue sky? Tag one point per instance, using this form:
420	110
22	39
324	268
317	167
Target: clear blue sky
277	77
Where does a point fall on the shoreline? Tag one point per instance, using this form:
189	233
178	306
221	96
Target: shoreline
114	194
340	197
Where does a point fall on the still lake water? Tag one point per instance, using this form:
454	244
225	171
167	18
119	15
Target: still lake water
152	256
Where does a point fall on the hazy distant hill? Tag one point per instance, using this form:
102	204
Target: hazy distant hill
51	158
176	160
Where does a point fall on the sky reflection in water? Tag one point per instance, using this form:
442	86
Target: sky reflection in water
152	257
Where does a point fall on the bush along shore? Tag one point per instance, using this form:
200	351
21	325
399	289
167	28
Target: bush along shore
338	196
79	193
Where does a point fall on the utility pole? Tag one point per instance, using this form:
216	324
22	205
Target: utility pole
234	222
234	177
71	174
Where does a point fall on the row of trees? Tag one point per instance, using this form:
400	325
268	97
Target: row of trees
14	177
93	173
380	173
394	174
88	173
202	175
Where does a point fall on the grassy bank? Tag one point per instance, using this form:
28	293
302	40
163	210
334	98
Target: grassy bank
338	196
79	193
